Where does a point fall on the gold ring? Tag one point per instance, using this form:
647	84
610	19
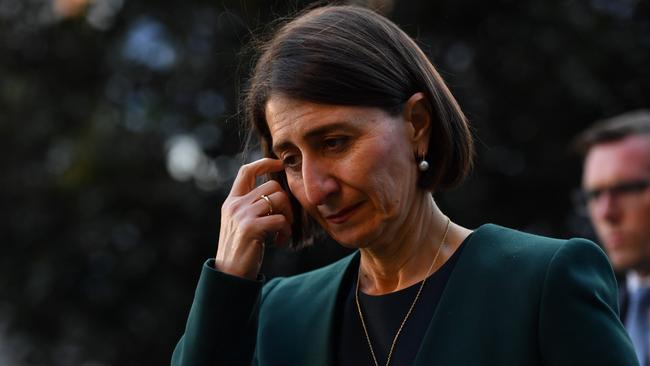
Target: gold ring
268	202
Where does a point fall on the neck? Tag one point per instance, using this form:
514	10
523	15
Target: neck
405	258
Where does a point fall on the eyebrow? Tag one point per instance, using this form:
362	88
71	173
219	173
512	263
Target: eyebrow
313	135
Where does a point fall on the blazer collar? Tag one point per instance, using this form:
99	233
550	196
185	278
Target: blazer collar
434	343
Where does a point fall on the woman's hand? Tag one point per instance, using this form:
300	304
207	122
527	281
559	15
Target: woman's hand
247	221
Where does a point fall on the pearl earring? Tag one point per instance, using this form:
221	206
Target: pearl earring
423	165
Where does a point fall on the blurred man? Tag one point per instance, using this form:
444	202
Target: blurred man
616	186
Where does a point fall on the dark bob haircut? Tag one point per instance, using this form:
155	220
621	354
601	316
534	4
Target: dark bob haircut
348	55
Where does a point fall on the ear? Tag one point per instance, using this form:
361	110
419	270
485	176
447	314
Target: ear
418	119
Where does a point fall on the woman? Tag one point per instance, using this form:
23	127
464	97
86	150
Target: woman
359	130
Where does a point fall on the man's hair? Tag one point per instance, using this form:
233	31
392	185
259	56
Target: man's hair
635	122
348	55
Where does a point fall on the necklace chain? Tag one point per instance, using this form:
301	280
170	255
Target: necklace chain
408	313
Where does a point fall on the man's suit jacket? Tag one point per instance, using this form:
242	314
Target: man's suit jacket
512	299
623	297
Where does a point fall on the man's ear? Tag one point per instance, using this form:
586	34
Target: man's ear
418	117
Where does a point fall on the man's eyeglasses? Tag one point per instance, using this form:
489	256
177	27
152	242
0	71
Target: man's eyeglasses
621	191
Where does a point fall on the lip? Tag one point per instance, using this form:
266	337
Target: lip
343	215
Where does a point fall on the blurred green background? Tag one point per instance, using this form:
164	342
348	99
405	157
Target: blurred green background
120	138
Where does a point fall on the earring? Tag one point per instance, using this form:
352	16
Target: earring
423	165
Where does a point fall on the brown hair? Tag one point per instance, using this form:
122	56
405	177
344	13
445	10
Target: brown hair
348	55
635	122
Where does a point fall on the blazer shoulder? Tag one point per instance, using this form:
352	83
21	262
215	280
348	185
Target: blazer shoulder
508	249
512	240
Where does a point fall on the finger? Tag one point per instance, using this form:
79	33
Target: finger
278	204
274	224
247	174
266	188
278	197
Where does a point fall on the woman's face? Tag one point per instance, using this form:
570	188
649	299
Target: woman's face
352	169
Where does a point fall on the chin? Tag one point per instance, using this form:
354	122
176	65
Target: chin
354	240
622	264
350	245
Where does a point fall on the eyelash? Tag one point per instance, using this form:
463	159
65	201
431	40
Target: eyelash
288	164
328	145
340	142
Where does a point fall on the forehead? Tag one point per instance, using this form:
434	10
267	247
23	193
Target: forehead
284	113
291	119
611	162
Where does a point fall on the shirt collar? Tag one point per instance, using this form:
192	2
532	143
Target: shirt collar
634	281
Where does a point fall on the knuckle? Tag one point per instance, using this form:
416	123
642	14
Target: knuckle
246	169
225	208
246	224
229	207
233	207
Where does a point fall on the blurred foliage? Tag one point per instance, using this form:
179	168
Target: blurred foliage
120	138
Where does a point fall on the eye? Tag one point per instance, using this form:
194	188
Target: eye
592	194
335	143
630	187
291	161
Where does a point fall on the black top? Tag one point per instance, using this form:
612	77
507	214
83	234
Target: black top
383	315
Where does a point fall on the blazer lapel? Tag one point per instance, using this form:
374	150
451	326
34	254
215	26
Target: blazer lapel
622	297
312	312
439	343
321	348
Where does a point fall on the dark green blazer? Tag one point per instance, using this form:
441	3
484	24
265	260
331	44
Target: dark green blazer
512	299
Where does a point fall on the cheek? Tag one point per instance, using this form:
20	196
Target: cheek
640	218
296	188
399	158
390	174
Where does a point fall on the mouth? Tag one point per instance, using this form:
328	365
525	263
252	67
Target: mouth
343	215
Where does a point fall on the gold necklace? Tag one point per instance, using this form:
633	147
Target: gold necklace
408	313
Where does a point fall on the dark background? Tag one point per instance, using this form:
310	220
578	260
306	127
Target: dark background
119	140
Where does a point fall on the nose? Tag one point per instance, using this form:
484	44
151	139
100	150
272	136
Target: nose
318	180
606	208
